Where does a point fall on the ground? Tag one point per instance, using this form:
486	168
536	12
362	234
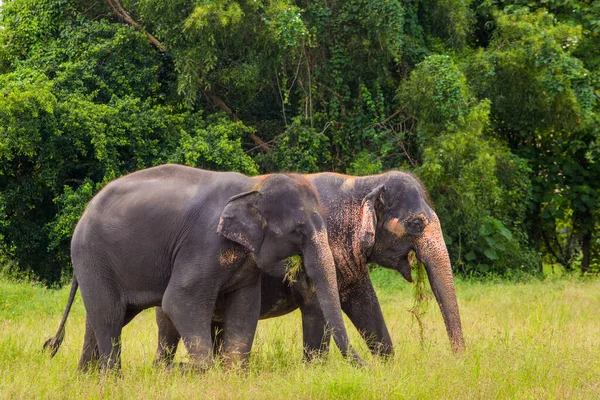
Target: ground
539	339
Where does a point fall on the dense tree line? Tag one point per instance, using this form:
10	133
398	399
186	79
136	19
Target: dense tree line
492	103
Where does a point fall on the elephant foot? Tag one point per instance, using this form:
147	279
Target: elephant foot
164	363
181	368
315	356
176	366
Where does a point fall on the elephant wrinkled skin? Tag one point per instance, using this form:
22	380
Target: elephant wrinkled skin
376	219
181	238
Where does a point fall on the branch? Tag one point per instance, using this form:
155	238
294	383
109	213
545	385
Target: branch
550	248
120	12
217	101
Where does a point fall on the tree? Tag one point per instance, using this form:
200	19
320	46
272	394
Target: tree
88	106
466	171
544	106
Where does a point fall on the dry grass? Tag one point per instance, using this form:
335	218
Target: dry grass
532	340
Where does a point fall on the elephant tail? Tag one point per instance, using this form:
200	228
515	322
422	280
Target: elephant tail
53	344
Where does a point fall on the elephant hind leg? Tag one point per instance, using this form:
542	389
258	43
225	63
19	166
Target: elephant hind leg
90	354
102	346
106	315
362	307
109	345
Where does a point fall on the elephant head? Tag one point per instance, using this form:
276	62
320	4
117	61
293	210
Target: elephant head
280	218
405	221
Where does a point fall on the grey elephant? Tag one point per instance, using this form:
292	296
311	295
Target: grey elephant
376	219
179	238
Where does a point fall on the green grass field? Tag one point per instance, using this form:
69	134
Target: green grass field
528	340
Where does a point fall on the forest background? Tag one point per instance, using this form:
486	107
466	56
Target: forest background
493	104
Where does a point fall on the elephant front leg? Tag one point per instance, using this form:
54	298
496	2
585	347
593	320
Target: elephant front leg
191	312
242	310
168	339
315	335
360	304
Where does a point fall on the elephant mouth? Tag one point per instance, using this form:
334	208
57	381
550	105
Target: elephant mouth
403	266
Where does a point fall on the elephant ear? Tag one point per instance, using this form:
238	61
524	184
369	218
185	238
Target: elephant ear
370	207
242	222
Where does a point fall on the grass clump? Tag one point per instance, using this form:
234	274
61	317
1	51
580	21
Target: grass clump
533	339
293	266
421	293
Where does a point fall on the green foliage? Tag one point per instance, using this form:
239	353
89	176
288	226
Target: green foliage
449	20
293	266
531	77
460	168
285	24
492	102
110	60
71	204
299	149
436	94
89	108
365	163
544	106
28	23
465	170
421	294
524	340
27	124
216	147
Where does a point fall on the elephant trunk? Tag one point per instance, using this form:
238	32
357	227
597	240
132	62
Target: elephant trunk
431	251
320	268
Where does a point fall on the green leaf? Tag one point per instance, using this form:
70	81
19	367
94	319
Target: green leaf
491	254
470	256
506	233
490	241
447	239
485	229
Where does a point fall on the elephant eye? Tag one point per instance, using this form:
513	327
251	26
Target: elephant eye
415	226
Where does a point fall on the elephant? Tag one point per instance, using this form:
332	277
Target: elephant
377	219
180	237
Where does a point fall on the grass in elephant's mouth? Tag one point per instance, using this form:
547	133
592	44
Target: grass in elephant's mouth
421	294
527	340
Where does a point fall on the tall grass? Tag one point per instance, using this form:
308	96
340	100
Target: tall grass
524	340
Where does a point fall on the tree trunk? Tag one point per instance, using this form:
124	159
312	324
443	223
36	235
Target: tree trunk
585	248
123	15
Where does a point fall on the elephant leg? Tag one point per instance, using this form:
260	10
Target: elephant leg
195	334
360	304
189	304
168	339
90	353
106	314
242	309
108	336
316	336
